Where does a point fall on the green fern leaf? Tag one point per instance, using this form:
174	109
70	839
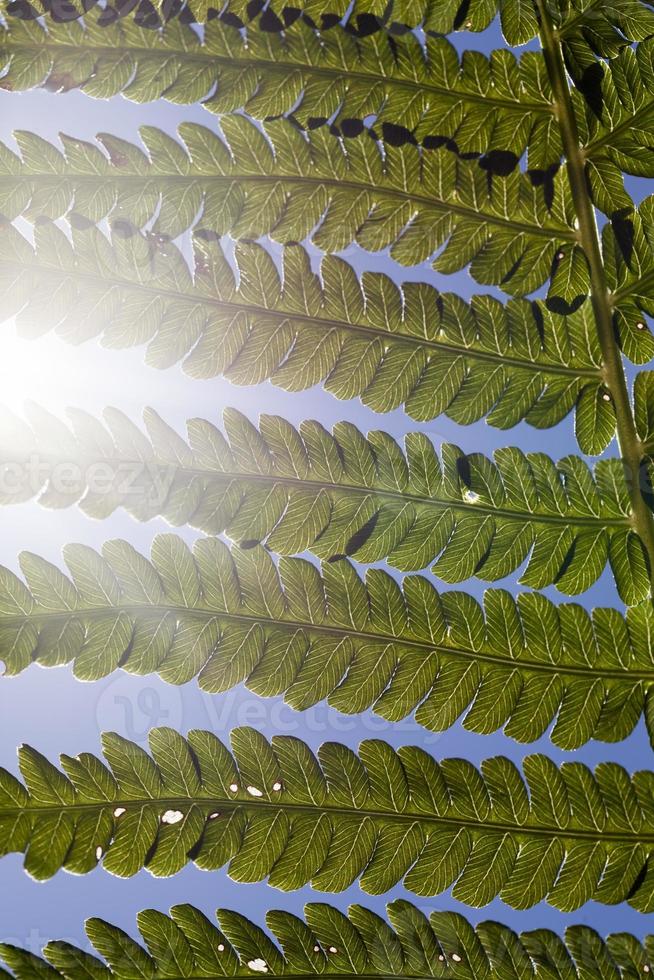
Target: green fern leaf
620	124
629	263
413	346
496	107
343	494
483	104
231	617
287	184
273	811
586	29
186	943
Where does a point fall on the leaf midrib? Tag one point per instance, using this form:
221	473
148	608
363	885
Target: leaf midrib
134	609
402	496
552	233
261	63
229	805
388	336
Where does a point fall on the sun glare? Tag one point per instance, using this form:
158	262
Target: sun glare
48	372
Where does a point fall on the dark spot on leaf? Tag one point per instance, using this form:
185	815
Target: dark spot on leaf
22	10
170	9
125	7
399	30
195	849
537	314
254	8
227	17
41	220
463	470
484	558
62	82
567	561
368	24
315	122
589	84
499	162
645	482
186	15
334	130
151	851
372	132
207	235
556	304
360	537
461	15
352	127
434	142
146	16
166	8
62	11
397	135
249	543
108	16
623	229
123	229
327	21
270	22
545	179
640	878
512	271
290	15
79	221
334	558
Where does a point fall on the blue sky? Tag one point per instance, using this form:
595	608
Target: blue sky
55	713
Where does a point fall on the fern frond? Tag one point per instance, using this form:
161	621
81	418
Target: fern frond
273	811
628	246
495	107
363	337
426	93
360	943
619	131
230	616
588	29
343	494
293	186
